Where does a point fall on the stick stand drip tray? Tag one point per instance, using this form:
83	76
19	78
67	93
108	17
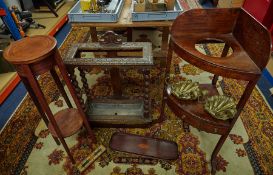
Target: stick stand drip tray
117	111
144	146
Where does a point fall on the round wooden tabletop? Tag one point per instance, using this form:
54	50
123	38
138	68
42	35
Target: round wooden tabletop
69	122
30	49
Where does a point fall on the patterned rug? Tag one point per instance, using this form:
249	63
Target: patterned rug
26	146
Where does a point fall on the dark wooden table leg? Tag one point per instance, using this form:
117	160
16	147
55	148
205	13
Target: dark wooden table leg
38	92
75	84
36	102
129	34
248	90
65	76
60	87
164	44
224	54
94	35
215	152
85	83
165	38
168	61
146	74
115	77
116	82
50	8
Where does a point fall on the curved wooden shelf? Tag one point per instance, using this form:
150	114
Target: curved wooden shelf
192	112
68	120
238	64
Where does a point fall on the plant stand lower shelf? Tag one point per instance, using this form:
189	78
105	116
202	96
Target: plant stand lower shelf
68	120
144	146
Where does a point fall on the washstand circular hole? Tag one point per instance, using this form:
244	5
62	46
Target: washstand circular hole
214	47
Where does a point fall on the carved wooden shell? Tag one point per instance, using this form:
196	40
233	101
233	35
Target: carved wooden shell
221	107
186	90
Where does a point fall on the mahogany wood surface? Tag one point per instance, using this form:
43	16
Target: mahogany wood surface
68	120
145	146
193	112
251	45
247	59
30	49
247	28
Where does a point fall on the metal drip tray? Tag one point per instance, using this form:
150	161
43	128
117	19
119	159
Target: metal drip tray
119	112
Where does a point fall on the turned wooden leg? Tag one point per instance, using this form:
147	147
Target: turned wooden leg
85	83
93	32
40	96
115	77
37	104
166	81
165	38
215	79
224	54
64	73
60	87
248	90
146	75
129	34
116	82
216	151
75	84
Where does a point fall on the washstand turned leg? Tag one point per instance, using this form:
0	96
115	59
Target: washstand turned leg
216	150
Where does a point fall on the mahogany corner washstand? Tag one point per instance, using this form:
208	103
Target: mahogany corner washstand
116	110
250	42
34	56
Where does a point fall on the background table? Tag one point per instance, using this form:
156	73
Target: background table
125	20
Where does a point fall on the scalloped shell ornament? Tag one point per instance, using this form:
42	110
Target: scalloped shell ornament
221	107
187	90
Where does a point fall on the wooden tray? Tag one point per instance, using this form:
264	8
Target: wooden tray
144	146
